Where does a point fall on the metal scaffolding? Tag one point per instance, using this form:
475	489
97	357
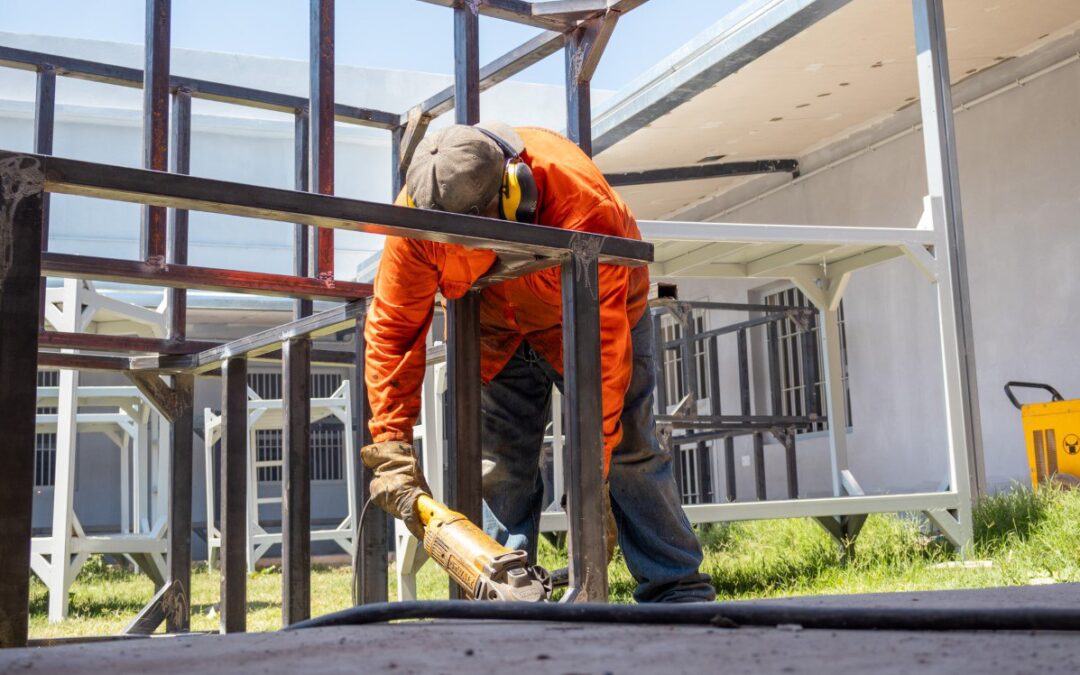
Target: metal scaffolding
164	369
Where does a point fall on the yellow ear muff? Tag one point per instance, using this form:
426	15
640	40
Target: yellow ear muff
511	192
409	201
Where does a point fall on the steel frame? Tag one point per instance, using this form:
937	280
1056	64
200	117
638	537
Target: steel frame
28	179
583	27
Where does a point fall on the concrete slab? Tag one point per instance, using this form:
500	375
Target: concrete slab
466	647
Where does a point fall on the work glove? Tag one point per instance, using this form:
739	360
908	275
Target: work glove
398	481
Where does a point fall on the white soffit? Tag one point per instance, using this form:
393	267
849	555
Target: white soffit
853	68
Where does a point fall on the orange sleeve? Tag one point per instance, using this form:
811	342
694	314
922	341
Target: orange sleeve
398	320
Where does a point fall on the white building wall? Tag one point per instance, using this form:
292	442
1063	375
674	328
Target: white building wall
1019	156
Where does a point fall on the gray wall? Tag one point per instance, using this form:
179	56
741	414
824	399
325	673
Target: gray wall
1019	155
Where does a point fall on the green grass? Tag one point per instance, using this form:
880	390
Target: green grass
1028	538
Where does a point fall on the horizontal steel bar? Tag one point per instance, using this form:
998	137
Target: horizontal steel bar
555	521
518	11
721	420
323	323
702	171
205	278
666	303
69	176
82	361
167	364
502	68
211	91
118	343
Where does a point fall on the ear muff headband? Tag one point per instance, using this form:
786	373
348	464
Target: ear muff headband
518	197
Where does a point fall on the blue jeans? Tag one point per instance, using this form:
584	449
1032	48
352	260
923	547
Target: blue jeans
660	548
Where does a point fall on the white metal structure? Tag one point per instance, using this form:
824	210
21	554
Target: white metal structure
265	414
135	427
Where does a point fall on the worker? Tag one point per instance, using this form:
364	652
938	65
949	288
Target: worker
536	176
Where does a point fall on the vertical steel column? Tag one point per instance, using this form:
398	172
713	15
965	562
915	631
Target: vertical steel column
578	93
371	543
464	488
584	450
787	439
44	125
744	391
810	372
22	218
467	62
177	251
301	182
397	176
322	124
296	488
181	440
704	471
233	489
464	485
943	184
829	330
156	121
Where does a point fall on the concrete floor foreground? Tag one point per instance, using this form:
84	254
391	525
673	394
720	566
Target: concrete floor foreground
490	647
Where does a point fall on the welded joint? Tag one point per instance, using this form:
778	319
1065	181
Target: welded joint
21	176
162	396
585	251
472	5
588	42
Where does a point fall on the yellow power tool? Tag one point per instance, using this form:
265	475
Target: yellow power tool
486	569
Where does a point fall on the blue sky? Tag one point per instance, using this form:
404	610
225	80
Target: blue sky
404	34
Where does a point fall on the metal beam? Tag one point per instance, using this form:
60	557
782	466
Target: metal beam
701	171
181	439
136	185
371	542
21	218
233	490
296	486
504	67
177	249
466	63
206	90
156	119
464	484
583	453
745	34
704	255
518	11
206	278
943	186
322	125
302	183
794	255
119	343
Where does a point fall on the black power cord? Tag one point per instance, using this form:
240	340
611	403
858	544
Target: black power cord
724	614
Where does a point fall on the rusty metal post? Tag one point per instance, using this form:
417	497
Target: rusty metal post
233	489
178	613
296	488
177	251
156	121
371	543
464	485
44	125
583	453
21	221
302	182
322	124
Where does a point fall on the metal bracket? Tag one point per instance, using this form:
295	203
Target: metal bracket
171	600
589	41
161	395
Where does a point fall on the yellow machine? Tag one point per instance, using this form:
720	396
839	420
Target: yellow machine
480	565
1052	432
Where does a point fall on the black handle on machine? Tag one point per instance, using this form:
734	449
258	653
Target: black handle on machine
1031	385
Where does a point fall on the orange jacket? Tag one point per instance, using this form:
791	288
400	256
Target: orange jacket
572	195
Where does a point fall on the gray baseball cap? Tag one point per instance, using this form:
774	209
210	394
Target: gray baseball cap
459	168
